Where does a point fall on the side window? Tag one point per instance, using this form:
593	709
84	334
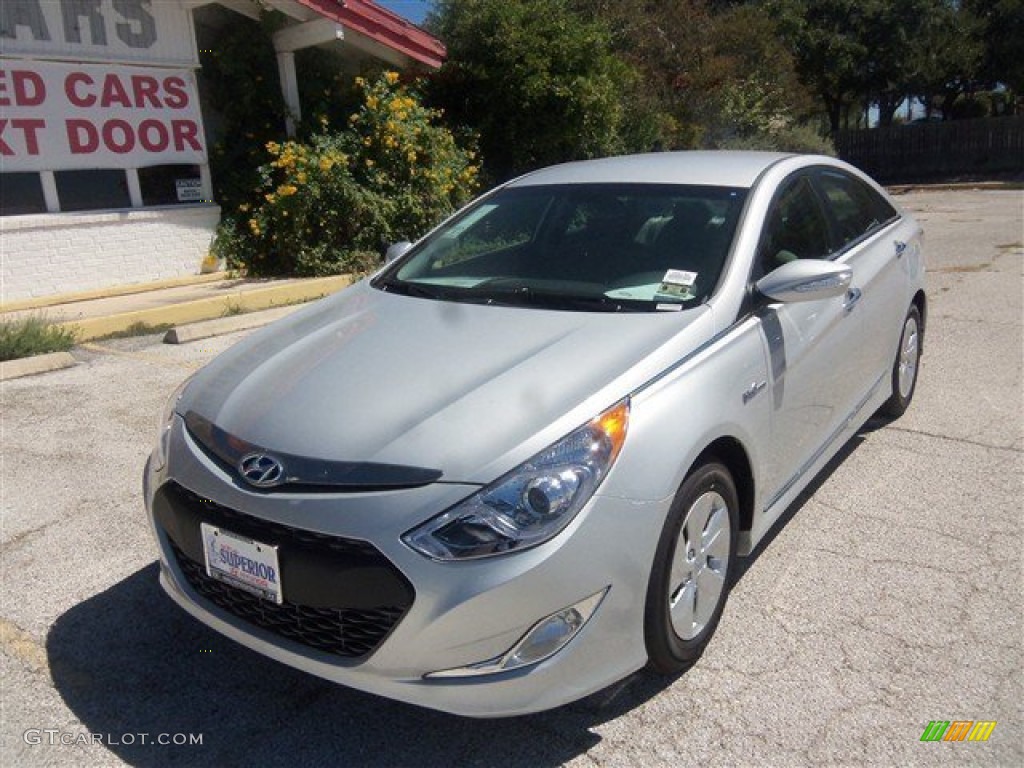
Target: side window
794	228
855	208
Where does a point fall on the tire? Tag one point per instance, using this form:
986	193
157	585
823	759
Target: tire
685	602
905	367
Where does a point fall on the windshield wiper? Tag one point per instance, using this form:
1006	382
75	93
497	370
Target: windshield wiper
524	295
419	290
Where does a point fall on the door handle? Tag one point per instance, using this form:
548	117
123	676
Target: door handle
852	297
900	248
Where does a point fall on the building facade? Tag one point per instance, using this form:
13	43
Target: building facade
103	148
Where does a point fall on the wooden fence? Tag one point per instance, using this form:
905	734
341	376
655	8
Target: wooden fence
917	152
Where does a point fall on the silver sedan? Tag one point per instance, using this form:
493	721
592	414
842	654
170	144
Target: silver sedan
520	462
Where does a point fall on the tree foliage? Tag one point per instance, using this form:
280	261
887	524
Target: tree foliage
856	53
328	204
1002	35
537	82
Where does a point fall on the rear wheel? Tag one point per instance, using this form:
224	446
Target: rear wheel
905	367
693	569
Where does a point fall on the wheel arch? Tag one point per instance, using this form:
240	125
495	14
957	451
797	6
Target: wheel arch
920	301
730	452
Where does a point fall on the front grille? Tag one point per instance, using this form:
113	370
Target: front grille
265	530
348	633
341	596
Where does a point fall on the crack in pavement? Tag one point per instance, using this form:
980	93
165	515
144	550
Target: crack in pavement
960	440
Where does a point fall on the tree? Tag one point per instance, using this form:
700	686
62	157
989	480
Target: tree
668	42
862	52
949	59
538	83
825	38
1002	33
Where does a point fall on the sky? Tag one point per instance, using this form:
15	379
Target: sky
414	10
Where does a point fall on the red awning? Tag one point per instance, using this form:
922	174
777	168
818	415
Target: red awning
383	26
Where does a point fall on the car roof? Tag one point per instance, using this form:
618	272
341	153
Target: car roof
704	167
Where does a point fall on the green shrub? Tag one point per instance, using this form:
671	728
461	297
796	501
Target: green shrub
33	335
328	205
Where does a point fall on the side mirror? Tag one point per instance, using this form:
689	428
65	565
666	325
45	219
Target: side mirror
805	280
396	250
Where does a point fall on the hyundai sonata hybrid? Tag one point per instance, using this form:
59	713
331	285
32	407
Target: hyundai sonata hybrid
520	461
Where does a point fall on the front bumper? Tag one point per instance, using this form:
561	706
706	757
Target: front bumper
439	615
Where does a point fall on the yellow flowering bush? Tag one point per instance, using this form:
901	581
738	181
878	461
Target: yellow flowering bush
331	203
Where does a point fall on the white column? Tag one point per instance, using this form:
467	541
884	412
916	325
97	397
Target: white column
49	183
134	188
289	89
286	42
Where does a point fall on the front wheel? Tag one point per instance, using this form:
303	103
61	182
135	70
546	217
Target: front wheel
905	367
693	569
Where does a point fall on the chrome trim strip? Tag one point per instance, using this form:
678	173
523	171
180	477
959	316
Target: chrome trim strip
824	447
719	337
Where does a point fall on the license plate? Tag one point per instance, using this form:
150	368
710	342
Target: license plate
243	563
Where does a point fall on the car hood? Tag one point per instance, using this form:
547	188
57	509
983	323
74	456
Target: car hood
369	378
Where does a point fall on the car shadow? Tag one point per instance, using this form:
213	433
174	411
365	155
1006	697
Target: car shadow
129	662
744	564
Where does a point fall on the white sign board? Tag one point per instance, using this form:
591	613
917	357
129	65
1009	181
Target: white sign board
153	31
189	190
58	116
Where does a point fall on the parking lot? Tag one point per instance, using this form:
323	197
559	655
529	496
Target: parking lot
891	596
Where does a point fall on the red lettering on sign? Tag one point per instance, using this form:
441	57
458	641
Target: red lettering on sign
122	145
186	132
29	88
71	83
145	88
114	93
177	96
153	136
83	138
28	128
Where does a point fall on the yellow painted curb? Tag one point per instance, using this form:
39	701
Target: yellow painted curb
114	290
207	309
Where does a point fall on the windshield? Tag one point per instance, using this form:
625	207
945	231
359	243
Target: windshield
589	247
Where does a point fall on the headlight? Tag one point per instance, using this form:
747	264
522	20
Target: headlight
166	416
531	503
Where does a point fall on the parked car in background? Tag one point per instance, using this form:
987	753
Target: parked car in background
520	462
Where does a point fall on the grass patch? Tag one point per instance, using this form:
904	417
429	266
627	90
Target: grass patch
138	328
33	335
232	308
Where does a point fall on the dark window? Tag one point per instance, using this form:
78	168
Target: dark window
856	209
21	193
170	184
600	247
92	190
795	227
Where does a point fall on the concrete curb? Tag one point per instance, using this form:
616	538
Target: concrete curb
205	329
116	290
29	366
206	309
954	186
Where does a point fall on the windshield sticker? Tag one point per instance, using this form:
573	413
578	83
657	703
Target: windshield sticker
677	283
669	307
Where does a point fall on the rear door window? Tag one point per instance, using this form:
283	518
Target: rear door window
855	208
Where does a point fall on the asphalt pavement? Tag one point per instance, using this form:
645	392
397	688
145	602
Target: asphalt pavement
890	597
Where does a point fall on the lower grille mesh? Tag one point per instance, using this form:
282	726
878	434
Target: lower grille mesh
342	631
